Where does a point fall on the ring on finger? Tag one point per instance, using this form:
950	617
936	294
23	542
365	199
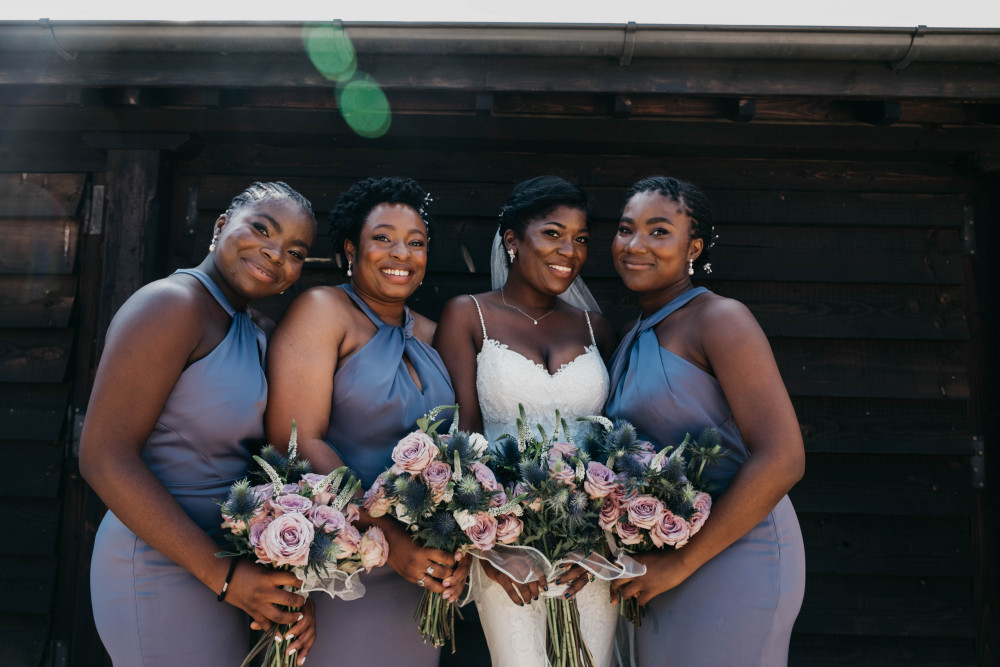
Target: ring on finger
592	577
430	569
420	581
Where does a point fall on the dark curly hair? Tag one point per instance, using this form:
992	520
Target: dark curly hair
353	206
693	203
259	191
538	197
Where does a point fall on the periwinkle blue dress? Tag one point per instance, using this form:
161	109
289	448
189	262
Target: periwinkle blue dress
737	609
149	610
376	403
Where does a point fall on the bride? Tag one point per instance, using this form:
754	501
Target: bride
524	343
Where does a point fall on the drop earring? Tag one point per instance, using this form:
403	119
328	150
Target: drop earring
349	265
512	254
211	246
690	267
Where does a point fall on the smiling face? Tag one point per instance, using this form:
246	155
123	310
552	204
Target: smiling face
653	245
262	246
552	249
390	259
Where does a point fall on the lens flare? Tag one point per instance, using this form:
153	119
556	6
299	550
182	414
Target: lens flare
330	50
365	108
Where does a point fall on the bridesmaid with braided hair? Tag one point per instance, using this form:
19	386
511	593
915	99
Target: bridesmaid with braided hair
693	360
175	415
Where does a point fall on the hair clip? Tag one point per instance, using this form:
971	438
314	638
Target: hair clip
423	207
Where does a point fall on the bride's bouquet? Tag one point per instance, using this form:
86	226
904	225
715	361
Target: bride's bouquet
561	527
440	487
652	500
294	519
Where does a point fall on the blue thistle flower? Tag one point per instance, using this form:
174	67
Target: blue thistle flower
299	468
631	467
468	493
577	505
413	497
443	525
321	550
534	473
241	502
459	442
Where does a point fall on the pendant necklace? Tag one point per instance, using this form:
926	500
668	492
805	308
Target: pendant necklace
533	319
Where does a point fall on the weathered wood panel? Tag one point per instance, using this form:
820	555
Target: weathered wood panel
908	607
46	245
31	469
32	411
857	651
883	486
34	524
48	152
40	195
36	301
26	584
34	355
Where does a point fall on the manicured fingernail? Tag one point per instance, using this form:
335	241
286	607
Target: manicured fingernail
289	637
301	616
447	583
277	637
567	594
302	660
545	588
556	582
291	651
445	595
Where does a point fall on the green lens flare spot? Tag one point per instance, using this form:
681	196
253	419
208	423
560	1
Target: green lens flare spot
365	108
330	50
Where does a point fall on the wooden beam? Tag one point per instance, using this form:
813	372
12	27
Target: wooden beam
38	245
24	195
36	300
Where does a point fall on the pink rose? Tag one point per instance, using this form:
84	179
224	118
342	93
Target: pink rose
327	518
286	541
483	532
644	511
647	452
376	503
289	489
628	533
437	475
413	453
311	482
561	471
373	548
291	502
509	528
499	500
702	508
485	476
600	480
257	527
670	530
232	524
348	541
560	450
352	512
263	492
610	511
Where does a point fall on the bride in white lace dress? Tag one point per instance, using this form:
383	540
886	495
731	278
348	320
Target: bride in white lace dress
522	344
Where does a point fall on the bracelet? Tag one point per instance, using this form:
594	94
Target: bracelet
229	576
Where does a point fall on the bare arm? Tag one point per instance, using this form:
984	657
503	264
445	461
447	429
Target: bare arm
741	357
302	358
148	345
457	335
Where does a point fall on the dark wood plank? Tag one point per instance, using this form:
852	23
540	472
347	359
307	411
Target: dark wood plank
23	638
33	411
900	546
808	650
40	195
874	426
907	607
36	301
26	584
48	152
881	486
36	517
31	469
34	355
43	245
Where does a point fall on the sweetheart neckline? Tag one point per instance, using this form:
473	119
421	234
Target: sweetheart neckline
503	346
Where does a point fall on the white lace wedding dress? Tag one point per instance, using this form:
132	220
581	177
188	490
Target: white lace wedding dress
505	379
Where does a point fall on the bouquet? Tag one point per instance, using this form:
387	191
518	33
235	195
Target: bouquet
561	527
652	500
296	520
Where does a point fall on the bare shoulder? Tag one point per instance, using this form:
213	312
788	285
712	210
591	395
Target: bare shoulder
423	327
463	310
724	321
169	313
319	305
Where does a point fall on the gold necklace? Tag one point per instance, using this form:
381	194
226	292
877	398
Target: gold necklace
533	319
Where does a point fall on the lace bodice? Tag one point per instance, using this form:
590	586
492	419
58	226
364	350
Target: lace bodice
506	378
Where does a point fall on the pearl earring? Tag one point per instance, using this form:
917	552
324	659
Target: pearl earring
690	267
211	246
349	265
512	254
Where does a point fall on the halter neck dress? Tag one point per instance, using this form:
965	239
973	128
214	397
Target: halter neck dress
738	608
375	403
150	611
504	379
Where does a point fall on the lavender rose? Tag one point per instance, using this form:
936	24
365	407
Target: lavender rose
327	518
702	508
610	511
291	502
629	533
376	503
263	492
257	526
352	512
483	532
373	548
670	530
437	475
561	471
311	482
644	511
348	541
600	481
413	453
647	452
485	476
286	541
561	450
509	528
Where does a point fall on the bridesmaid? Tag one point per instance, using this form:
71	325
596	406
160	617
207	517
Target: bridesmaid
176	410
695	359
353	366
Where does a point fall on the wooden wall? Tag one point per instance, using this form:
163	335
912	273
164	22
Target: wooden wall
845	224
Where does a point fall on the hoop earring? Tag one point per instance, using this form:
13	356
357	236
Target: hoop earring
690	267
349	265
211	246
512	254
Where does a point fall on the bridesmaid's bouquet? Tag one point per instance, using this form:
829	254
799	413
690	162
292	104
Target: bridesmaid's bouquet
294	519
441	488
652	500
562	511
